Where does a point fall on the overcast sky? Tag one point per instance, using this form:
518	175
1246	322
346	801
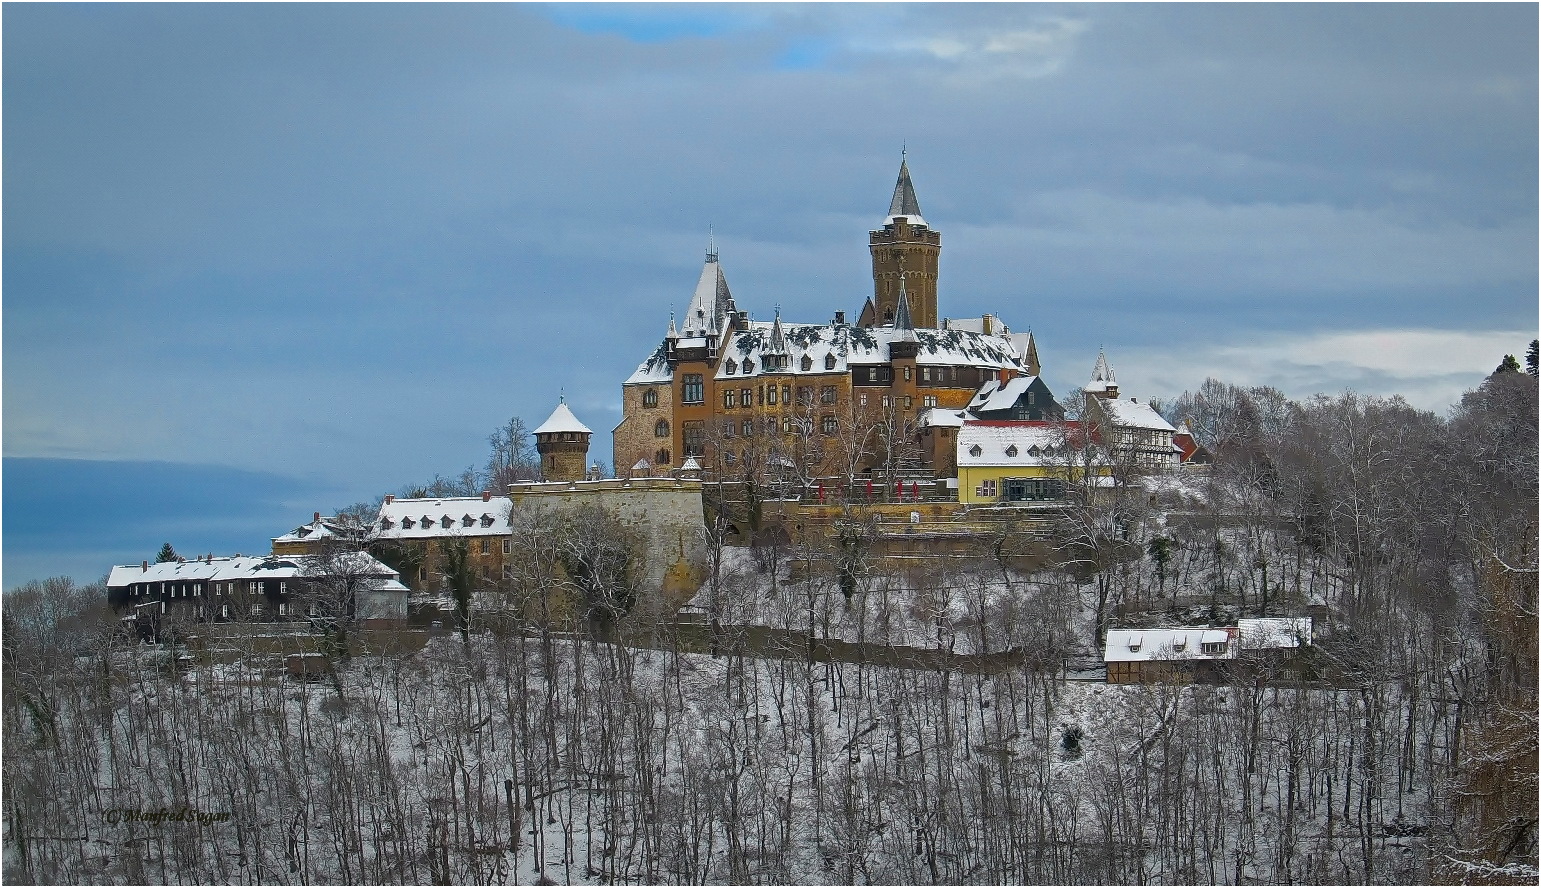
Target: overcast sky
262	260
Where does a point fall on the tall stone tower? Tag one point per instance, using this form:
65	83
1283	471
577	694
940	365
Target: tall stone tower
906	246
563	443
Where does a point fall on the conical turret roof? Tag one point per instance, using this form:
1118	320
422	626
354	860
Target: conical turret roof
562	420
902	320
904	203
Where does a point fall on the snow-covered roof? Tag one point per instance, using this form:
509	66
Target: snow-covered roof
995	395
320	528
711	302
941	416
1179	643
1102	375
904	202
1132	414
247	567
562	420
1274	632
1002	443
457	516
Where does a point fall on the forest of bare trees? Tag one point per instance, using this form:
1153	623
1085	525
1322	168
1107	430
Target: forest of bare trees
532	752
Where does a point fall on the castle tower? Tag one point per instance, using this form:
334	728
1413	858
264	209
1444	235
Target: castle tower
1103	383
904	247
563	443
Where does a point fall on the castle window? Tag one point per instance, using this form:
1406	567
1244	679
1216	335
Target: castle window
929	400
693	390
786	423
729	398
1032	398
748	428
650	398
925	374
507	545
887	401
828	425
908	402
746	397
827	395
730	457
661	458
786	394
695	438
748	367
861	400
805	395
661	429
906	374
732	367
770	395
829	361
807	363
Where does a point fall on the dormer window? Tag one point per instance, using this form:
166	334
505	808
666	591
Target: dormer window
1135	641
385	524
486	520
1179	643
748	367
1012	450
467	521
807	363
976	450
445	522
406	523
829	362
732	367
1034	451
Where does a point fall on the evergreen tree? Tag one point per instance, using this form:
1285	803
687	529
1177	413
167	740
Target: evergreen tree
167	554
1509	365
1532	358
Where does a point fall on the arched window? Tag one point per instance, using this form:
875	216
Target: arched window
650	398
661	429
829	361
661	458
732	367
807	363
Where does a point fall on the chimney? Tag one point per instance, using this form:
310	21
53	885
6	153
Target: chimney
987	324
486	496
144	565
390	498
315	517
839	317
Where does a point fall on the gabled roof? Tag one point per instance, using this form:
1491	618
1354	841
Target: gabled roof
1167	643
1134	415
561	420
994	395
245	567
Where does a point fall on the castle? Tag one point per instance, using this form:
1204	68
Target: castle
806	402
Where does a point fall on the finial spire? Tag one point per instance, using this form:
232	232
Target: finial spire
711	244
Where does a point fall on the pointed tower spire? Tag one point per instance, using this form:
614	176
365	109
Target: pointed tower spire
712	302
1103	384
778	339
673	332
902	320
904	202
1030	356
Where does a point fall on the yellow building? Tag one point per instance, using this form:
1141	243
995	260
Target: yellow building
1006	461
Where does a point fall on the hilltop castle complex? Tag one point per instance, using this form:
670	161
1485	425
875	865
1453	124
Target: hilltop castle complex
833	399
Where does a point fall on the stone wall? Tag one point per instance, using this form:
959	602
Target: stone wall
666	513
635	438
